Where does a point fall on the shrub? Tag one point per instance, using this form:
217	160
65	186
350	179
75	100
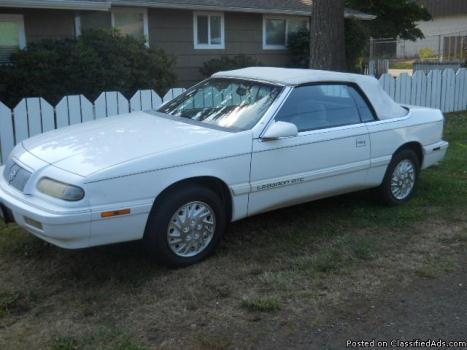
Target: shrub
227	63
426	53
96	61
298	45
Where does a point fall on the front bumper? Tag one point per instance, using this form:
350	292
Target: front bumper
69	229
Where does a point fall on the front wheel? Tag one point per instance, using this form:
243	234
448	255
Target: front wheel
185	226
401	178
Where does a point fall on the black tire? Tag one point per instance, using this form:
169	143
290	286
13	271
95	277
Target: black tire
384	191
155	237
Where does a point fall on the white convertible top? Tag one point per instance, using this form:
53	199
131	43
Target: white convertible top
383	104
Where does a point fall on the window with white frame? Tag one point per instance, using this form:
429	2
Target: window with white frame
131	21
276	30
208	30
12	35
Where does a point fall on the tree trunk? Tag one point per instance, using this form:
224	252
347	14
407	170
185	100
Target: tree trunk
327	39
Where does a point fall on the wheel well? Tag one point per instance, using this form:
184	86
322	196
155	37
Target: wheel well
213	183
414	146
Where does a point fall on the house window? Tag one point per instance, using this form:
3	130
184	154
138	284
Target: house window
12	35
208	29
276	30
131	21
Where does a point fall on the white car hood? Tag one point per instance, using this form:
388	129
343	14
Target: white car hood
91	147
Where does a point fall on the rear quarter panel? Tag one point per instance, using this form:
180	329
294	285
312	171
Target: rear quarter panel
421	125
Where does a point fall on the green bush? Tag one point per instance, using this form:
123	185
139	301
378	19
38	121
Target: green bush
97	61
227	63
426	53
298	45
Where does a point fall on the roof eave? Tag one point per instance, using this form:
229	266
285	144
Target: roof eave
210	8
62	5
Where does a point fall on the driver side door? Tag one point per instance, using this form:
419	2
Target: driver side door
330	155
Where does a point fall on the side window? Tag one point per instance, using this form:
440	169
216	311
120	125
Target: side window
365	111
320	107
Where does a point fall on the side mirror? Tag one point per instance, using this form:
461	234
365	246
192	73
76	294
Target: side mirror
280	130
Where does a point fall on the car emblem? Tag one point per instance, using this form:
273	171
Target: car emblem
13	172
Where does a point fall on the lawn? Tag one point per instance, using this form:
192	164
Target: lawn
275	278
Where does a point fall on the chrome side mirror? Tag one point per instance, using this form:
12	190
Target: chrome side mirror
280	130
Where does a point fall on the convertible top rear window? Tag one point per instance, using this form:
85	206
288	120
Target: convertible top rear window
228	103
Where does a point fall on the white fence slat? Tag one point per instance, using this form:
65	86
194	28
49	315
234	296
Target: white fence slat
74	109
460	97
20	114
122	104
61	113
100	106
33	109
388	83
111	101
7	140
87	109
146	100
436	85
448	85
172	93
47	115
418	79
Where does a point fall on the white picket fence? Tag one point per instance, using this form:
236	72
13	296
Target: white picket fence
446	90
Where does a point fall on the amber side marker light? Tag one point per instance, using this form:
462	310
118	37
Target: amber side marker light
109	214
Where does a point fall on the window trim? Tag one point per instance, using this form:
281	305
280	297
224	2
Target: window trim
22	33
143	11
208	46
283	18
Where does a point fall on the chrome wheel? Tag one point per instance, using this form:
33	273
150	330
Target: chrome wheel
191	229
403	179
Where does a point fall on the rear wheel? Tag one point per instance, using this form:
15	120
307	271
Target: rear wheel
401	178
185	225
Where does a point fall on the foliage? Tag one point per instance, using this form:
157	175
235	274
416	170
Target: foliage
227	63
298	45
356	39
395	18
97	61
426	53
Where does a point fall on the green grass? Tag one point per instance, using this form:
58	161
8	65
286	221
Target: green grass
104	338
435	267
284	266
268	304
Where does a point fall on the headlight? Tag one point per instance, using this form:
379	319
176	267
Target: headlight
60	190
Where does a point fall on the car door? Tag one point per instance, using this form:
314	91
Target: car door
330	155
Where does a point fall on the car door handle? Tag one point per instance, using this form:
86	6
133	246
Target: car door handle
360	143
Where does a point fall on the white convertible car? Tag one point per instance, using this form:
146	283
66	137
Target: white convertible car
240	143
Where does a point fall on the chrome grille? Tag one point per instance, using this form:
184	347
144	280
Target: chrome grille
16	176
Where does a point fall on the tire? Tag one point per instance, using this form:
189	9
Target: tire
167	225
400	194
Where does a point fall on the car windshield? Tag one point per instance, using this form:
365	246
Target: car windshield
228	103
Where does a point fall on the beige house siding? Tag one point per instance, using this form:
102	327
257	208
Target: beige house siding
172	30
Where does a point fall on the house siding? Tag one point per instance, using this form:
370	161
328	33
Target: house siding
45	24
172	30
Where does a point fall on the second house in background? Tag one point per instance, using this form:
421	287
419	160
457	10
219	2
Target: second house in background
195	31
